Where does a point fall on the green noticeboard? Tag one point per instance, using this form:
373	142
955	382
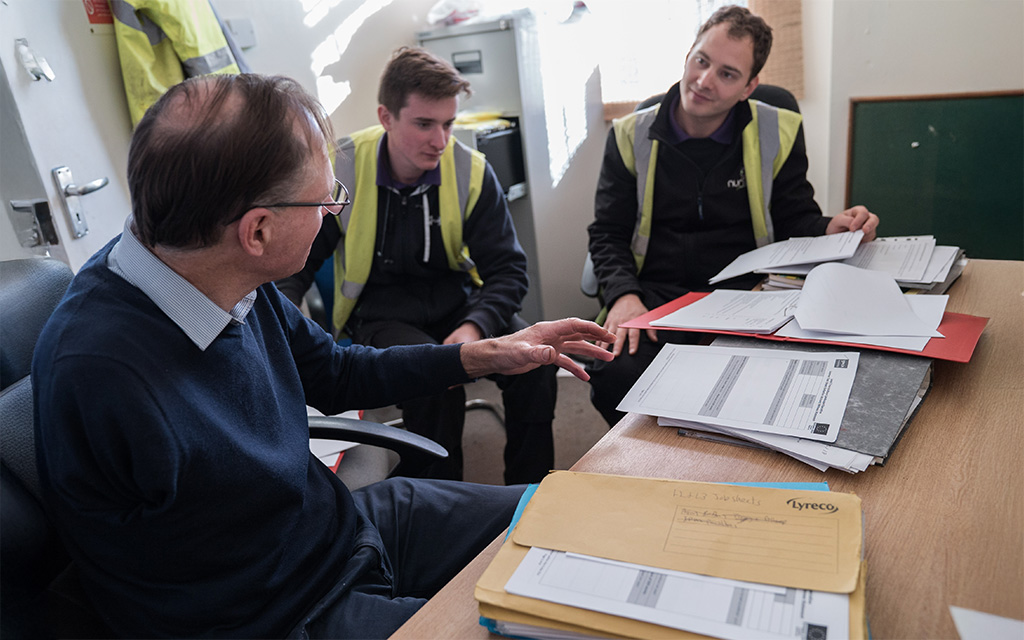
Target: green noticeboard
948	166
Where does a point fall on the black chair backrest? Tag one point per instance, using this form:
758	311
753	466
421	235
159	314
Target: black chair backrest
39	593
775	96
29	292
767	93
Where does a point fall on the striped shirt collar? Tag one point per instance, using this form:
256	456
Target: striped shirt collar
194	313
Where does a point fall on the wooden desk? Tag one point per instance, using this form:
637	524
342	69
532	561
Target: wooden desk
944	517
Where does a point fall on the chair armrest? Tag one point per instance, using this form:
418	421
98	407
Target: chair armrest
405	443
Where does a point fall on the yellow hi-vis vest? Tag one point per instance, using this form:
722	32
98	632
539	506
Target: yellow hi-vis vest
162	42
767	142
462	176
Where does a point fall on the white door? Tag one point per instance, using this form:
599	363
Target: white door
78	120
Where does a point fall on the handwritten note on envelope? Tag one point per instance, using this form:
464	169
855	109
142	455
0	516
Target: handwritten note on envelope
803	539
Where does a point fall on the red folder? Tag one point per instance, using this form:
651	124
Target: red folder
962	332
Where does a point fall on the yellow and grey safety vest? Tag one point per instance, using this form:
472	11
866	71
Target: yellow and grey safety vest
162	42
462	176
767	142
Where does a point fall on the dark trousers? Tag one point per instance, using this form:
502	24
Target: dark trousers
529	400
611	381
414	536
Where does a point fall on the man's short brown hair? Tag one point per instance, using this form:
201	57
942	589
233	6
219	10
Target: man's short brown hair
214	145
742	23
413	70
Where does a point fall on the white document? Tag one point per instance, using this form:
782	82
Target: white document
837	246
838	298
975	625
730	310
819	455
327	450
729	609
793	393
938	266
902	257
929	309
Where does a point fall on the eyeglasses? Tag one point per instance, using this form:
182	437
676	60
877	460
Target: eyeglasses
337	203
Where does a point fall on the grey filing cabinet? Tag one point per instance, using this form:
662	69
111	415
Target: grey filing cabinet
491	56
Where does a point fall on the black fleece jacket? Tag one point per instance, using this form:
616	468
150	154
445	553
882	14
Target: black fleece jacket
701	217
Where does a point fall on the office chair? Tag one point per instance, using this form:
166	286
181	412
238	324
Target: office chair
40	595
767	93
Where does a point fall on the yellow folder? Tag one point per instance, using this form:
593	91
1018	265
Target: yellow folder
792	538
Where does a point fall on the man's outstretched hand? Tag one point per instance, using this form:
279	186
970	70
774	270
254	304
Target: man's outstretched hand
535	346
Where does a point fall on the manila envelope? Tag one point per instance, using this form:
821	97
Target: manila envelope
791	538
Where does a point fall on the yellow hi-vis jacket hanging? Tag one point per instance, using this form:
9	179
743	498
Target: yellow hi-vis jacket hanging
162	42
462	176
767	142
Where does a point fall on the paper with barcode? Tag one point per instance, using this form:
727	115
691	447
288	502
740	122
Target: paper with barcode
794	393
717	607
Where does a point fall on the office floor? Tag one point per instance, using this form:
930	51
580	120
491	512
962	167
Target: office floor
576	428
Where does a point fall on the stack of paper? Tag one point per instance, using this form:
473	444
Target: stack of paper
731	310
676	558
915	262
886	393
768	396
837	246
838	303
850	304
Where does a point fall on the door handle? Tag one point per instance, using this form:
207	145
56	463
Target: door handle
70	195
88	187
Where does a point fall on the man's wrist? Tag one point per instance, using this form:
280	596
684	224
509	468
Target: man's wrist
476	357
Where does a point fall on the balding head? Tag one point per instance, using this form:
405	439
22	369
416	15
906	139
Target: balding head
213	146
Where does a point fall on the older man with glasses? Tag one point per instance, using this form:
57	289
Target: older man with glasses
171	386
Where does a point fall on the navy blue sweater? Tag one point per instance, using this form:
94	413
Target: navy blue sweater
181	480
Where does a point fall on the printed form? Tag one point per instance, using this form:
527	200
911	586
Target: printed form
905	258
794	393
711	606
837	246
730	310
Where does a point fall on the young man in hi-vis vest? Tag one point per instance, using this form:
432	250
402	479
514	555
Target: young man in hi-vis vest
429	254
689	184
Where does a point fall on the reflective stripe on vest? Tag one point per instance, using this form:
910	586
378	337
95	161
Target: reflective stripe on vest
462	176
771	131
161	43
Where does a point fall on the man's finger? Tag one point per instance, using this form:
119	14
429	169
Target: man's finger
573	367
620	339
634	341
582	348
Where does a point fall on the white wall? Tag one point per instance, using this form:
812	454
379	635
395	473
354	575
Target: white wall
817	20
370	31
367	31
898	48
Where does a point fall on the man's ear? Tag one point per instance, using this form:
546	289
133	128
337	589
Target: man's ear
385	117
254	231
756	80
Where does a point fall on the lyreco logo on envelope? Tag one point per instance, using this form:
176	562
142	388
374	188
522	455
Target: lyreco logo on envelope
800	539
802	503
